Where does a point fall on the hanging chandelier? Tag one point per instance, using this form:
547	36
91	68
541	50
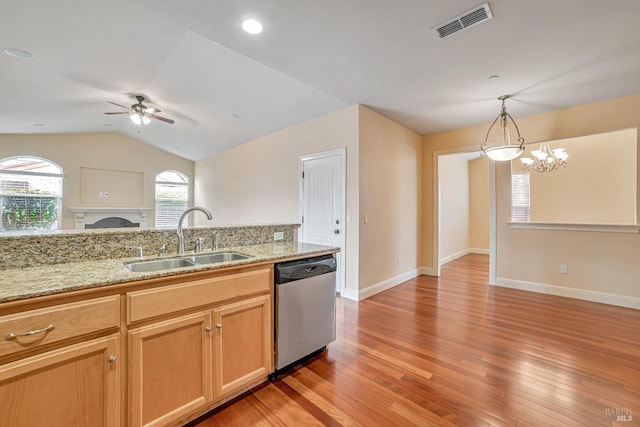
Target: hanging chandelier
545	159
506	151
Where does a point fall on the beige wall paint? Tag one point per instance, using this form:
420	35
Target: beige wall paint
390	196
105	151
575	194
258	182
479	209
453	174
600	262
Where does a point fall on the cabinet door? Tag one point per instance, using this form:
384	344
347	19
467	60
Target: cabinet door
78	385
243	344
170	373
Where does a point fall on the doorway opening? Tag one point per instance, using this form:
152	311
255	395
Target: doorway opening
464	207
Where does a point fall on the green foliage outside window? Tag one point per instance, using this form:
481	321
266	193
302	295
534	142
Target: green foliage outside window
29	212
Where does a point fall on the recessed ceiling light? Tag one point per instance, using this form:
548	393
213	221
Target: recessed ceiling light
38	124
234	115
18	53
495	76
252	26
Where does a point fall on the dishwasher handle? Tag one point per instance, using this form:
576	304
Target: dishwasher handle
303	269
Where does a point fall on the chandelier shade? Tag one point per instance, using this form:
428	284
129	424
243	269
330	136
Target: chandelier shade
507	151
545	159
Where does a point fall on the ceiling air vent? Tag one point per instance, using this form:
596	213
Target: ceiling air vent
462	22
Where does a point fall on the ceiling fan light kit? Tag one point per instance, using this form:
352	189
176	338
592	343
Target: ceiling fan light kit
506	151
140	114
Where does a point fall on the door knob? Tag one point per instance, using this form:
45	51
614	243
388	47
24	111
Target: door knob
336	231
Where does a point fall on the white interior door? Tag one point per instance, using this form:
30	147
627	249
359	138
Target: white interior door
323	204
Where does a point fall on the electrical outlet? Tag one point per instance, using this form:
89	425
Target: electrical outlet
103	194
564	269
399	260
365	219
278	235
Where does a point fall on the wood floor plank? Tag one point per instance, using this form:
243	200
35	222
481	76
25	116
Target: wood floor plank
455	351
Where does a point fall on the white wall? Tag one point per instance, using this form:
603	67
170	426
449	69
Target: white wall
390	196
453	175
258	182
479	206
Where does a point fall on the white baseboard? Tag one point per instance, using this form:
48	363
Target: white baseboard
428	271
356	295
452	257
349	293
462	253
563	291
479	251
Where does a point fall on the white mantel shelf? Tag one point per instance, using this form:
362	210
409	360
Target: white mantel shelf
91	214
84	209
602	228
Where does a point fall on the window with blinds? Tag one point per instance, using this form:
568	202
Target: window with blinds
520	197
172	198
30	194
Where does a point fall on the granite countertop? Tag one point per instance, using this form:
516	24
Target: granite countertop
23	283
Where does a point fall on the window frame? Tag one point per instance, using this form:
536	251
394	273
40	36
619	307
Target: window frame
54	222
172	214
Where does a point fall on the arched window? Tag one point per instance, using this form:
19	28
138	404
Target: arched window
172	198
30	194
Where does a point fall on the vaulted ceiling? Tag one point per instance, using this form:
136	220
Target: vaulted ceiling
224	87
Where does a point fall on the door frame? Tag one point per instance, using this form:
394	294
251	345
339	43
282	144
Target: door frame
435	271
342	154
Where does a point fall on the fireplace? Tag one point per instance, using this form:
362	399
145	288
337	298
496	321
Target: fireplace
110	217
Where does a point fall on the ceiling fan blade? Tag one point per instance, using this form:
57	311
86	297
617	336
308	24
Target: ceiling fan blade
118	105
123	112
153	116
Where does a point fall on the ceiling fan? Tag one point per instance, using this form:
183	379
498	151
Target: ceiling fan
140	113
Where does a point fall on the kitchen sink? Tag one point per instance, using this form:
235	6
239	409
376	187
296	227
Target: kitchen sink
157	265
216	258
190	261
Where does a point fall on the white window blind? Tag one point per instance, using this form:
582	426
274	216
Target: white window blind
520	197
172	198
30	194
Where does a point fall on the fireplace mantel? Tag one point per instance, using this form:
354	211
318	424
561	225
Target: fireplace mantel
91	214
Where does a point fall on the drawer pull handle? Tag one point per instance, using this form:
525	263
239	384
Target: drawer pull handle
218	325
11	336
112	359
208	329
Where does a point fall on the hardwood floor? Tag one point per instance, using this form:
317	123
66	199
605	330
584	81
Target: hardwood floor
455	351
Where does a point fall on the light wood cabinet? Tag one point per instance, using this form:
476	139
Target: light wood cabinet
77	385
192	343
170	369
30	330
199	342
243	349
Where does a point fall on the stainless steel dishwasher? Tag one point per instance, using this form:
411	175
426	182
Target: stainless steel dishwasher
305	308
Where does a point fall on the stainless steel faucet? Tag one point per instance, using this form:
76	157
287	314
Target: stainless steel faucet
184	214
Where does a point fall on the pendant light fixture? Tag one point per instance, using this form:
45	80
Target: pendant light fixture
545	159
506	151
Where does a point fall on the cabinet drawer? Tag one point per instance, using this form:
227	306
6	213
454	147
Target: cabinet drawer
151	303
30	329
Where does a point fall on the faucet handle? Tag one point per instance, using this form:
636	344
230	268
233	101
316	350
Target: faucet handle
198	247
163	250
